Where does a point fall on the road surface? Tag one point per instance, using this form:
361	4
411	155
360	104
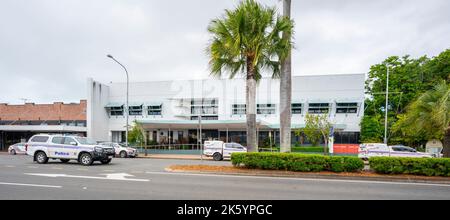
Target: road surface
147	179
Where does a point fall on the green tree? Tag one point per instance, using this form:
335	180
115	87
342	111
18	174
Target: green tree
317	128
429	115
371	129
409	78
137	135
248	40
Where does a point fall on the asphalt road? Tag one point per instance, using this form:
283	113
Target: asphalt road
128	179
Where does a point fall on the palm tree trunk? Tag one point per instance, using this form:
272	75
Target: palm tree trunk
252	143
446	143
286	93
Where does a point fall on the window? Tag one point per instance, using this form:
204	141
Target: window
57	140
116	111
67	141
228	145
238	146
239	109
135	110
266	109
319	108
345	108
39	139
297	108
208	108
85	141
155	110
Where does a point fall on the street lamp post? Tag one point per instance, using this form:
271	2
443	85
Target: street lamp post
127	104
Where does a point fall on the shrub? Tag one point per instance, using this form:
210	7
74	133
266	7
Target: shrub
414	166
297	162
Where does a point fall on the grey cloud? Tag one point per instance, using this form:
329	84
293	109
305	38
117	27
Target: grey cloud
49	47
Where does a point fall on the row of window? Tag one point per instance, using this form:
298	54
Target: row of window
211	109
297	108
136	110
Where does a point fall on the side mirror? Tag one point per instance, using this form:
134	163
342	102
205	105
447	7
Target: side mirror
73	143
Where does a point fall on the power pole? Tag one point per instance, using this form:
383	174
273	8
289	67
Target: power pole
386	107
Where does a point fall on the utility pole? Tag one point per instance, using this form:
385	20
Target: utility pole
386	107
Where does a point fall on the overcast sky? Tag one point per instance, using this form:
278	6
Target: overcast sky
48	48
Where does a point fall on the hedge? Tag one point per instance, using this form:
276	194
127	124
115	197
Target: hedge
297	162
413	166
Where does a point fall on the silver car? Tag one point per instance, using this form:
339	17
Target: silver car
17	149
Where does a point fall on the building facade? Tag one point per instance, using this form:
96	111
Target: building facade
174	112
19	122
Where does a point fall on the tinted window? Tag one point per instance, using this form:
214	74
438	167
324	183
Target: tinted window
398	149
39	139
68	140
57	140
238	146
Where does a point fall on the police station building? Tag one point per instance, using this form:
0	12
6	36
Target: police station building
169	111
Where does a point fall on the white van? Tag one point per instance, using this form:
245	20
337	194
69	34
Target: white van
219	150
367	151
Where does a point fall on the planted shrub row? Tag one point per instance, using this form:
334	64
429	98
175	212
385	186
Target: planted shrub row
414	166
297	162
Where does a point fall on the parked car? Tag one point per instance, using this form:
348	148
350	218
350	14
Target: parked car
43	147
219	150
17	149
121	151
367	151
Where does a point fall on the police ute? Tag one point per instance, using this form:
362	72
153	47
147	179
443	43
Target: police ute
219	150
43	147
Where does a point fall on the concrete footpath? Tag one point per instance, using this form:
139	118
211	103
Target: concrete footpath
173	156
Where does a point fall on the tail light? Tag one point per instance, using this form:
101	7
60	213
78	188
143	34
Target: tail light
26	147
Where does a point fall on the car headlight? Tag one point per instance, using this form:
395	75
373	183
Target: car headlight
98	149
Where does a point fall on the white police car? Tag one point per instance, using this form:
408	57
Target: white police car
43	147
121	151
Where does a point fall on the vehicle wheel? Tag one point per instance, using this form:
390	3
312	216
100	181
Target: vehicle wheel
123	154
107	161
41	158
217	157
13	152
86	159
65	160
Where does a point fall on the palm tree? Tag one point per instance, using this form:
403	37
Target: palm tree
286	91
248	41
430	114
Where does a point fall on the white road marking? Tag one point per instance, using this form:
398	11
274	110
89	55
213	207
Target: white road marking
30	185
10	166
32	167
112	176
301	179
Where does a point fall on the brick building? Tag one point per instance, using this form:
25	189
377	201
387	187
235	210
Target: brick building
20	122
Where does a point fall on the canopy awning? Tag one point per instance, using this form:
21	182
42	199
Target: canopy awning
349	100
114	105
154	103
216	124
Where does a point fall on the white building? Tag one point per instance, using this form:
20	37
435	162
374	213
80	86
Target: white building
169	110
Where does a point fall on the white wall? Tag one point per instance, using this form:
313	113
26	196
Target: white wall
324	88
97	118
